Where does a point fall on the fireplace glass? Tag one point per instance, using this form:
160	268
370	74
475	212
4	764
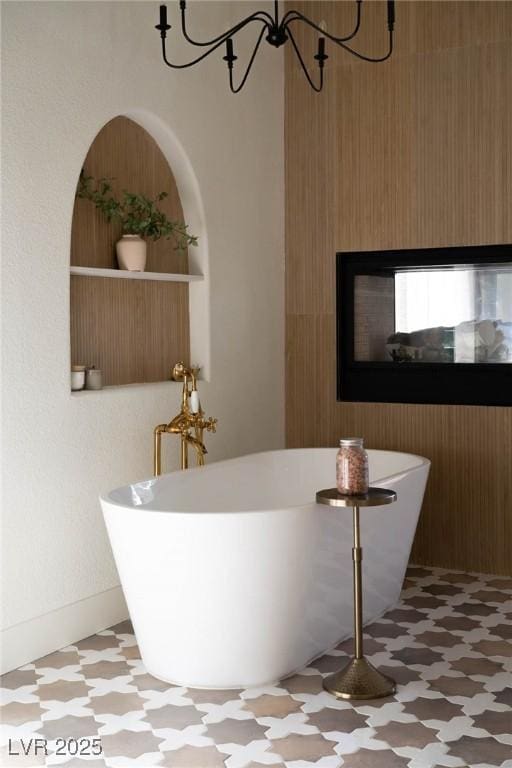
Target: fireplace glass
444	315
425	326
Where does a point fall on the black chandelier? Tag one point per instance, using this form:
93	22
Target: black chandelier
278	31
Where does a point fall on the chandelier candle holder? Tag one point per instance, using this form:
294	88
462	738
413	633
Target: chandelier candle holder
277	31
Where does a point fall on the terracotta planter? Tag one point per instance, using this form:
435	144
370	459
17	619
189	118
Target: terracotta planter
131	253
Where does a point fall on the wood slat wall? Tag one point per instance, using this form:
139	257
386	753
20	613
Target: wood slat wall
415	152
133	330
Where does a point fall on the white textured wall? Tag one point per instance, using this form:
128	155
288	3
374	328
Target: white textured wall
69	67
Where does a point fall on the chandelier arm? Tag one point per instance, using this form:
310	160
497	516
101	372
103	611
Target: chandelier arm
356	28
289	16
257	16
371	59
212	49
297	15
339	42
249	66
189	63
315	87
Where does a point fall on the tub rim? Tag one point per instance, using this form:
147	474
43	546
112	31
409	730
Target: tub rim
105	498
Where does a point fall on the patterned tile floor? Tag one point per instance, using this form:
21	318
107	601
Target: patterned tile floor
448	644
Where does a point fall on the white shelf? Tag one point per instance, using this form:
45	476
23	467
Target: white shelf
124	274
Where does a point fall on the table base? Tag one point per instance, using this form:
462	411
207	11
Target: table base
359	680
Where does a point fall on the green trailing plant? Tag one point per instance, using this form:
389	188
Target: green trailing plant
138	214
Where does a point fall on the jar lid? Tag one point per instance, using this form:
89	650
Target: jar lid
78	368
348	441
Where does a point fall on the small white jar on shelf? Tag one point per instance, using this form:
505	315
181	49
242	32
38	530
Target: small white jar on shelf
77	377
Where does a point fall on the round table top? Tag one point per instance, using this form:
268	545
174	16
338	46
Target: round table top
374	498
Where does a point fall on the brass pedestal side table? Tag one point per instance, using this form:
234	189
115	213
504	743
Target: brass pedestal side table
358	679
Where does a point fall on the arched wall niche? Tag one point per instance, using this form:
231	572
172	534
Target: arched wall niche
134	330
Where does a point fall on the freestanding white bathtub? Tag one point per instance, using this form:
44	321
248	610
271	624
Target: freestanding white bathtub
235	577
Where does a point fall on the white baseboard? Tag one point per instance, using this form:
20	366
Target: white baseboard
28	641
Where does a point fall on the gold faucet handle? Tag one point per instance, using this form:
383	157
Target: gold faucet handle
211	425
178	371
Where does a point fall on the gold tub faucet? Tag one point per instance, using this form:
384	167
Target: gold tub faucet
191	417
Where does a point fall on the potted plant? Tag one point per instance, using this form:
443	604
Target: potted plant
140	218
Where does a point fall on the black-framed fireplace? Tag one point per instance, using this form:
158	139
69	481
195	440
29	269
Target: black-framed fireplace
425	326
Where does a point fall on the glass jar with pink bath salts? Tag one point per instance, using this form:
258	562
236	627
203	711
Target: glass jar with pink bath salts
352	467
